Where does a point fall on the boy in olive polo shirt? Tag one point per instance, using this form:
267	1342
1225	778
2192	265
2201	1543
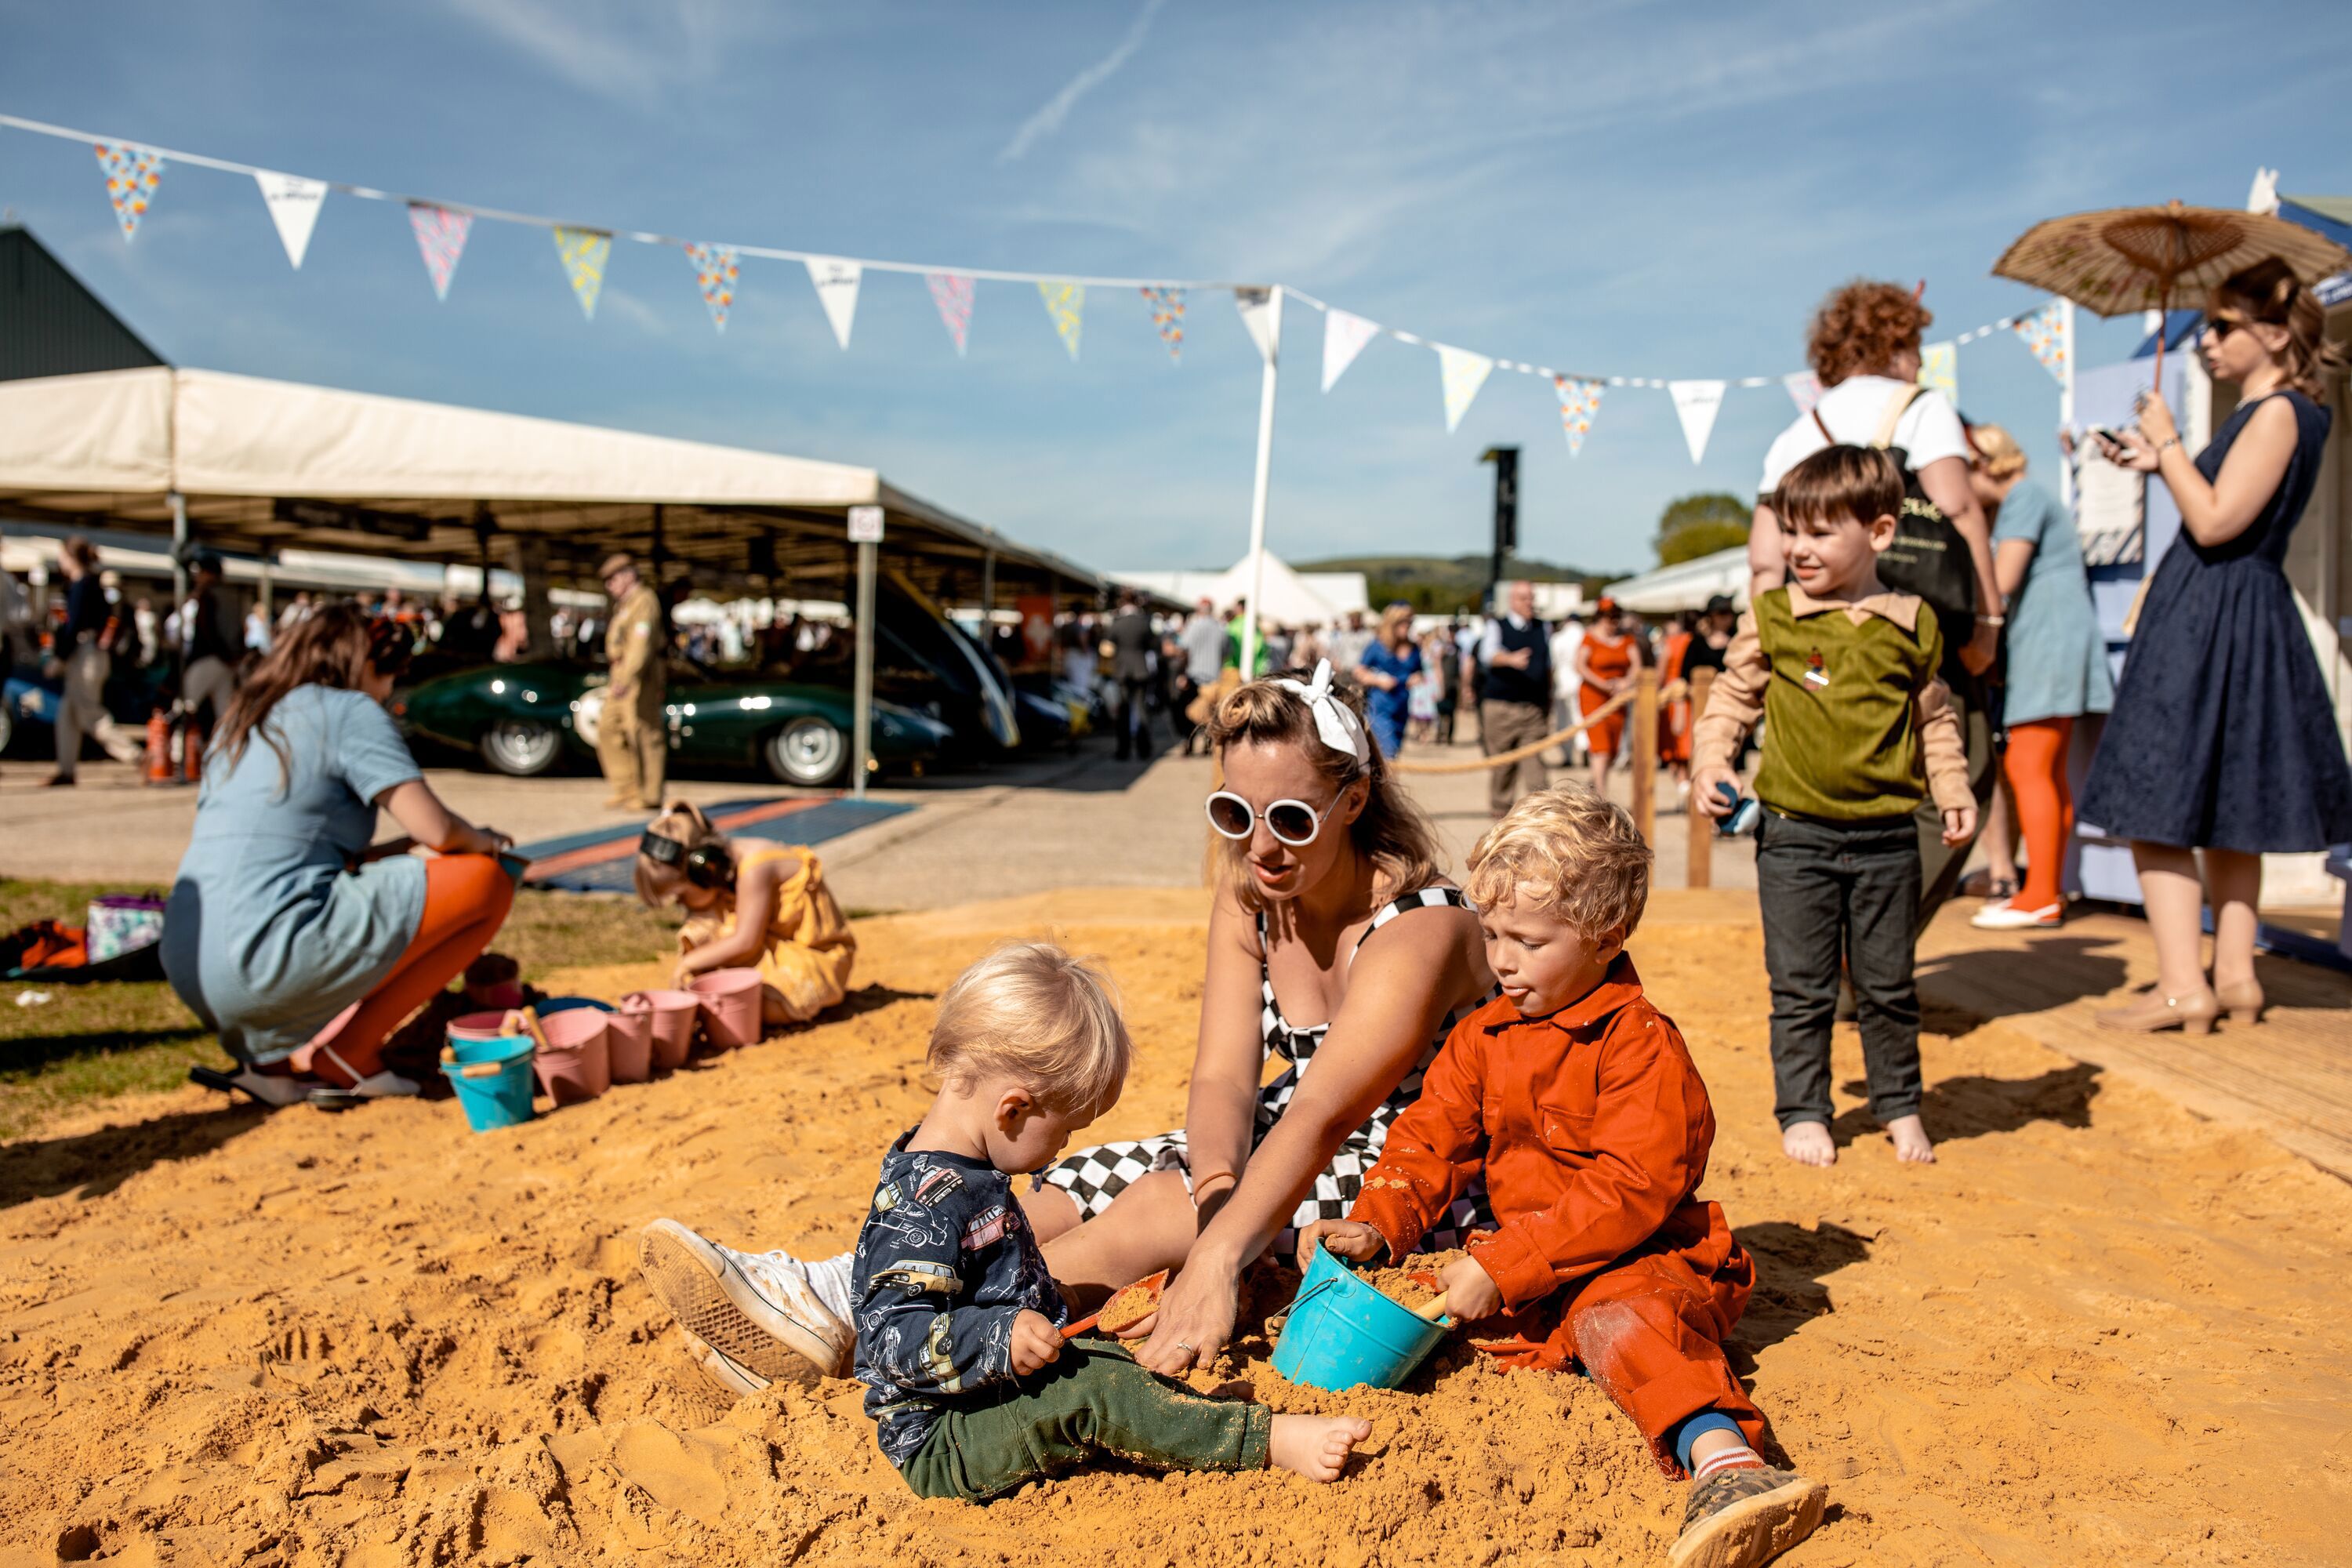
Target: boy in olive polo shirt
1857	731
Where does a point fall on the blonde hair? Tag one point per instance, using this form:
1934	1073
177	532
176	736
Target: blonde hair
1391	831
1997	451
1031	1010
2269	292
1570	853
685	824
1394	618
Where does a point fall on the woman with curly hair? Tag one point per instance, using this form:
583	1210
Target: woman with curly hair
1864	346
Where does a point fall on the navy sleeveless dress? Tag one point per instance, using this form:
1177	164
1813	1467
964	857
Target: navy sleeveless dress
2223	735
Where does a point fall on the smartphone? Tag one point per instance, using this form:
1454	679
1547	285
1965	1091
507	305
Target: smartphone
2105	436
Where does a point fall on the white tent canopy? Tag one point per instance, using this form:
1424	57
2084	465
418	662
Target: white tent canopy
1287	598
1685	585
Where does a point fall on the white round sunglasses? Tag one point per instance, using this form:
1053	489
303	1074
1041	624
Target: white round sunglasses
1292	822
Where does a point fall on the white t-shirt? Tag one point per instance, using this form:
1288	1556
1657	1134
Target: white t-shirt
1564	644
1929	431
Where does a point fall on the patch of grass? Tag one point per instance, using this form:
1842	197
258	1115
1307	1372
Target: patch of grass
93	1042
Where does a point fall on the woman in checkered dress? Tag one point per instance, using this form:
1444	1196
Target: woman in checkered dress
1330	905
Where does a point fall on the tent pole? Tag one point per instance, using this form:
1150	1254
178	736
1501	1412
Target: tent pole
1257	492
861	709
179	549
2066	400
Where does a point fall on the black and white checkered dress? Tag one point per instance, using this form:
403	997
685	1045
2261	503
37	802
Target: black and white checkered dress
1094	1176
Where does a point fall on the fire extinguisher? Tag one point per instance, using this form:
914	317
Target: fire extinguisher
159	747
192	751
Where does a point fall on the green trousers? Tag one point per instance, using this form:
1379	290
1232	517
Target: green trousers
1095	1399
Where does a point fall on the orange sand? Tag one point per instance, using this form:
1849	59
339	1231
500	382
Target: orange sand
2098	1331
1129	1307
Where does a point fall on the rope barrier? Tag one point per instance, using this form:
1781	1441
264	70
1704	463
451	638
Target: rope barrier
1672	692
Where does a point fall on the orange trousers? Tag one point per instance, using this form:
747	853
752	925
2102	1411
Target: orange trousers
1650	1331
467	898
2035	766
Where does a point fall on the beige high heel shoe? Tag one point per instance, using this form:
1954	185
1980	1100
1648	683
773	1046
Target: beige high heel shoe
2245	1000
2192	1014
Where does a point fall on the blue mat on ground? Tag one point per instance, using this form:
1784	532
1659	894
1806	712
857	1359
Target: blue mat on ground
605	860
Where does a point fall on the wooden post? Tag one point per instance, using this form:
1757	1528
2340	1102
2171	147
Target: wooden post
1700	865
1643	734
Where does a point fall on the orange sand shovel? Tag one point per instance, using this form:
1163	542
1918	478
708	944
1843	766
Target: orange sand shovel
1150	1285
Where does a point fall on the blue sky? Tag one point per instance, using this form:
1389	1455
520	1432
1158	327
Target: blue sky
1625	188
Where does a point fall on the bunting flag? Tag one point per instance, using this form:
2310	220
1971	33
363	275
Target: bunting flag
1939	367
1066	304
132	173
584	252
441	238
714	273
1695	403
1461	374
1344	337
1580	400
2044	333
1804	389
1167	315
294	203
952	292
1260	319
836	279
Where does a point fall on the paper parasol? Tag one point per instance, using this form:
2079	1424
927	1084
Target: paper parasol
2141	259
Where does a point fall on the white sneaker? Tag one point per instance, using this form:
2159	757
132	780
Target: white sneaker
721	1368
763	1318
2006	916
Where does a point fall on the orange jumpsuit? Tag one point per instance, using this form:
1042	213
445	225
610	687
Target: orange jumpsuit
1592	1128
1611	659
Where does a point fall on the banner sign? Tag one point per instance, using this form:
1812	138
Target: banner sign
441	238
1461	374
714	274
952	292
294	203
1580	400
836	280
132	173
1167	306
584	252
1695	403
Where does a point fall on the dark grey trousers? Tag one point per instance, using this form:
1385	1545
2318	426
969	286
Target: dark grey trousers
1831	891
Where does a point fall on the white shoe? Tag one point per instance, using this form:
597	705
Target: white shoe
721	1368
763	1319
2008	917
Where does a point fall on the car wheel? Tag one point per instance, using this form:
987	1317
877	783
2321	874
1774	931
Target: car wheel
521	748
808	752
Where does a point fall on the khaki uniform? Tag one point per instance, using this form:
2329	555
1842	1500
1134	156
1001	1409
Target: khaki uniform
632	738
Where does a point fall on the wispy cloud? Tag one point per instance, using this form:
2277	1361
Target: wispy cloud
635	54
1049	120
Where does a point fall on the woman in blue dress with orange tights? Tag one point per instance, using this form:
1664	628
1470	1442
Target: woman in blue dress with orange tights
2224	736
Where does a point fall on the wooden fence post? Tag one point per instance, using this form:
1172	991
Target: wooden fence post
1700	862
1642	736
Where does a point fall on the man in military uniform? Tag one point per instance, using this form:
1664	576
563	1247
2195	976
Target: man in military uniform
632	739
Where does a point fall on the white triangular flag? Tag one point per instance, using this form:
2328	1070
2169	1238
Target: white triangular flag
836	290
1695	403
1344	337
1463	373
1805	390
293	204
1263	322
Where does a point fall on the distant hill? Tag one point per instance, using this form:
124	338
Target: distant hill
1438	585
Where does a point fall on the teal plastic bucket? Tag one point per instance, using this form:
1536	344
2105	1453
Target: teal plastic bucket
501	1099
1342	1333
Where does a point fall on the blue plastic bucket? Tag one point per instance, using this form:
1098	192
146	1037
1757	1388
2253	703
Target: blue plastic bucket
1341	1332
501	1099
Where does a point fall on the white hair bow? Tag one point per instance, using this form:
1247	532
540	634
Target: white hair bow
1335	721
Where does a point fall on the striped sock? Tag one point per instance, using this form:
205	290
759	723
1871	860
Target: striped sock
1741	1458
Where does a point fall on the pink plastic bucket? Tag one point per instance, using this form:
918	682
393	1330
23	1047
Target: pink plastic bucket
673	1016
731	1007
576	1063
629	1035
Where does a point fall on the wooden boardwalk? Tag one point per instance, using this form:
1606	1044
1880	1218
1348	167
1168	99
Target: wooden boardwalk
2292	1075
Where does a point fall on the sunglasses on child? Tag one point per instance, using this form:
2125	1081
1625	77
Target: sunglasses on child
1292	822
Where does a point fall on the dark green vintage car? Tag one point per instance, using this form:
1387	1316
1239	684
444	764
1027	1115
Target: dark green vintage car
523	717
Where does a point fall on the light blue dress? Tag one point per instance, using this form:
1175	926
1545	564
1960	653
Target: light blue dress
267	936
2057	666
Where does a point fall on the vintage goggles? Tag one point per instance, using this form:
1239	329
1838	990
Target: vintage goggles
1292	822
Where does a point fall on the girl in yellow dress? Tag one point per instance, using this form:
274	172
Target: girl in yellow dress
764	907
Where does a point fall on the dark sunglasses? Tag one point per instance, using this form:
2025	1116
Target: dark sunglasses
2222	326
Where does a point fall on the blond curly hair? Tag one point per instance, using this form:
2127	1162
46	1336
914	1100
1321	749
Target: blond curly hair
1570	853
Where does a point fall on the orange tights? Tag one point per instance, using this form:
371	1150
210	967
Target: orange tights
467	898
2036	769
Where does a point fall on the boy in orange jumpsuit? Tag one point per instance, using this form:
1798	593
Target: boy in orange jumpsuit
1578	1102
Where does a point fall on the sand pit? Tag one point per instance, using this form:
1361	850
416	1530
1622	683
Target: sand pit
2098	1331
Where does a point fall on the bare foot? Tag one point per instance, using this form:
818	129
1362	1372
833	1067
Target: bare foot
1316	1446
1808	1143
1911	1140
